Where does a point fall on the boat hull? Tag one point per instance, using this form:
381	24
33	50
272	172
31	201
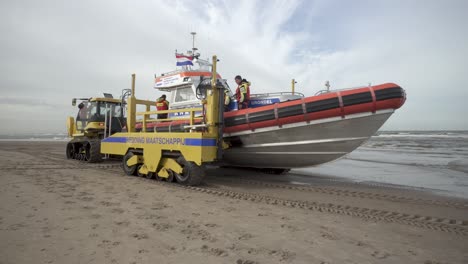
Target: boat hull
303	144
303	132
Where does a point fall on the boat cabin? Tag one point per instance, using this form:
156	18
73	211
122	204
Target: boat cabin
181	86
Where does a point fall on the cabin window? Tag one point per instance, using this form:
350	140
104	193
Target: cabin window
184	94
116	110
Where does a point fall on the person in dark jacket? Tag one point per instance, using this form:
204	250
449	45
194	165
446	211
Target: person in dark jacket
162	104
242	92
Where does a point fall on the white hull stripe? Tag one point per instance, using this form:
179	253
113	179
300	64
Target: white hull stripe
292	152
303	142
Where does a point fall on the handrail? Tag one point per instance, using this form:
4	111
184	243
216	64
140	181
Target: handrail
170	111
338	90
191	118
276	93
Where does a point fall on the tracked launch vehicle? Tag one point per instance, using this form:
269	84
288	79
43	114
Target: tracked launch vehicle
101	129
97	117
179	156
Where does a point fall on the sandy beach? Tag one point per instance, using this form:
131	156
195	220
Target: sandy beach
53	210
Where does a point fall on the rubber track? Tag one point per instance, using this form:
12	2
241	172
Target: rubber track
95	150
357	194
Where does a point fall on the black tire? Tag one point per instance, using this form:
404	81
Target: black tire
171	176
93	151
129	170
137	172
70	152
191	175
150	175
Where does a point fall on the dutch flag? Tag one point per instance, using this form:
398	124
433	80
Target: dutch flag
183	60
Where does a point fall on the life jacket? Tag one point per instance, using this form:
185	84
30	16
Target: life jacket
162	104
227	99
243	92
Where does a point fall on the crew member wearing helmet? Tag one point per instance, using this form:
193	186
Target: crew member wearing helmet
162	104
242	92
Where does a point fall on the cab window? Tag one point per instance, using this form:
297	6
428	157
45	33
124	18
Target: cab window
184	94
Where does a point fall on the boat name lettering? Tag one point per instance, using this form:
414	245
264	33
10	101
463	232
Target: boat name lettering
181	113
164	141
155	140
135	140
170	80
264	102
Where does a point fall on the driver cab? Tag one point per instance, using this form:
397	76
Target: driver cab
99	113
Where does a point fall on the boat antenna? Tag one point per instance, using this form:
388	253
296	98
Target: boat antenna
193	43
327	84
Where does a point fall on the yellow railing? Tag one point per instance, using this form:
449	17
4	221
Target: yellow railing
190	118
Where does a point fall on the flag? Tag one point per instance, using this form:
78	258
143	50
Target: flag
183	60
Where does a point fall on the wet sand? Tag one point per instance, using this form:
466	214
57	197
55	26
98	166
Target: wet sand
58	211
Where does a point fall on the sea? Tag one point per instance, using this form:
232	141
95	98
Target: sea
432	160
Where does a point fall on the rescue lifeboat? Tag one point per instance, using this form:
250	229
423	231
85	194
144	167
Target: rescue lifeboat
284	130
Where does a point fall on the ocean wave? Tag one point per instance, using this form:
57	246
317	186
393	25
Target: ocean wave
454	135
42	139
459	165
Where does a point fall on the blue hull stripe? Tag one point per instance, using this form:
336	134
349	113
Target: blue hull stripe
115	140
204	142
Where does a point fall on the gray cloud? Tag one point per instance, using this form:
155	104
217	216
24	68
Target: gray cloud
52	51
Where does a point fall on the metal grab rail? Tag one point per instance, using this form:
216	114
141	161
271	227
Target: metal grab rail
276	93
338	90
191	118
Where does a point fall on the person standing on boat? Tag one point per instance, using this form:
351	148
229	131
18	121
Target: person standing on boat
242	92
227	100
162	104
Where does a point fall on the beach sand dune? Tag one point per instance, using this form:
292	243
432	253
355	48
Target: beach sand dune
57	211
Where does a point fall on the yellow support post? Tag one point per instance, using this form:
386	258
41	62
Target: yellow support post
293	85
212	115
131	108
143	127
192	115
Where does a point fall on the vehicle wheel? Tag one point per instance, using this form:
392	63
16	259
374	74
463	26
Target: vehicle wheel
192	174
70	151
129	170
137	172
171	176
150	175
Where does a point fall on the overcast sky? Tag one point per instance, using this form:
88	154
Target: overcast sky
52	51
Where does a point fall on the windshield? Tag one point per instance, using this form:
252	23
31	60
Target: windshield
184	94
86	110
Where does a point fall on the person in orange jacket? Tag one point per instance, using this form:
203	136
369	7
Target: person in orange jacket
162	104
242	92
